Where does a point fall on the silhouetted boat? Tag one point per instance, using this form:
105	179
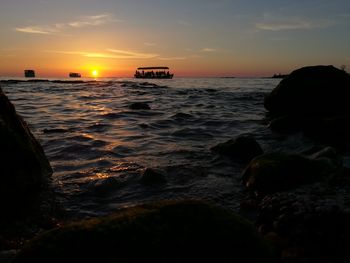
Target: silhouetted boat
74	75
29	73
153	73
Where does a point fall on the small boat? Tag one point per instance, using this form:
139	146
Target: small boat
74	75
153	73
29	73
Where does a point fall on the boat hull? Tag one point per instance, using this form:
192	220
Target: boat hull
154	77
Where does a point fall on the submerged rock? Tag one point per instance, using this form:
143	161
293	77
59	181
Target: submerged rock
139	106
243	147
24	168
153	176
182	231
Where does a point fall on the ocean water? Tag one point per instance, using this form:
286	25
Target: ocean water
99	147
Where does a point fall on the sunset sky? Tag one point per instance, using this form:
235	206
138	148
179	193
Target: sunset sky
192	37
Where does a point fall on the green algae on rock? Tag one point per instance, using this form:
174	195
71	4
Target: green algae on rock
177	231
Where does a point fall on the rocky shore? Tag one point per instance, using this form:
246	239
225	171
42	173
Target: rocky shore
300	202
297	204
27	203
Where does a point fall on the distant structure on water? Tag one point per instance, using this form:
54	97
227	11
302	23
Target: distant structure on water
74	75
153	73
29	73
279	76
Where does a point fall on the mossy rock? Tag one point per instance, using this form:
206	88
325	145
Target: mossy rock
179	231
274	172
243	147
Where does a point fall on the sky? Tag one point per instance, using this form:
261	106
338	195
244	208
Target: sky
195	38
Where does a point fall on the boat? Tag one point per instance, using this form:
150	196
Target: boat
29	73
74	75
153	73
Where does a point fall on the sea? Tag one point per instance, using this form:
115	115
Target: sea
99	147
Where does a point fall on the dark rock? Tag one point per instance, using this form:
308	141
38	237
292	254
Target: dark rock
328	128
153	176
7	256
55	130
139	106
24	168
315	101
182	231
273	172
327	153
243	147
285	124
312	221
316	90
107	185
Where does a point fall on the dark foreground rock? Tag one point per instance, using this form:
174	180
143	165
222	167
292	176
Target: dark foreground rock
274	172
302	206
27	204
309	224
244	148
24	168
167	232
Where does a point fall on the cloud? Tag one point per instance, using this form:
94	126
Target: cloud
111	53
95	20
272	23
83	53
132	54
208	49
172	58
286	25
84	21
43	30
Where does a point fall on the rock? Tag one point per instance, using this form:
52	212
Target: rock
179	231
24	168
106	185
7	256
285	124
313	218
333	129
55	130
273	172
153	176
243	147
328	153
139	106
315	90
313	100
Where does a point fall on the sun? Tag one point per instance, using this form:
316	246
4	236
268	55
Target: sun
94	73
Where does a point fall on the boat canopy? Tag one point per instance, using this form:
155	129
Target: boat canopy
149	68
